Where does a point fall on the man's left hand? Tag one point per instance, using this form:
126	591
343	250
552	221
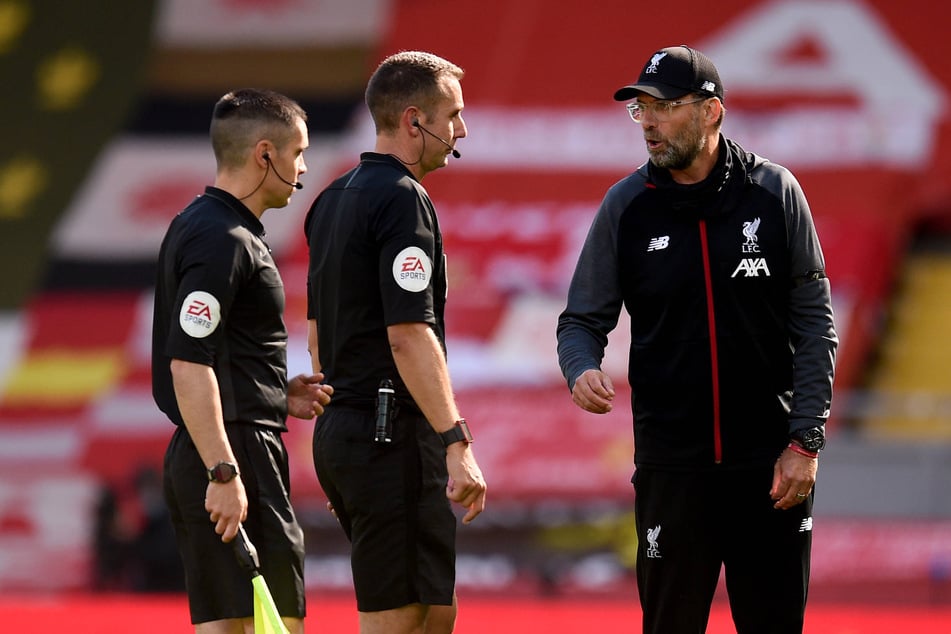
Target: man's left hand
793	478
307	396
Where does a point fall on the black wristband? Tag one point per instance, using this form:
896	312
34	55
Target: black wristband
459	433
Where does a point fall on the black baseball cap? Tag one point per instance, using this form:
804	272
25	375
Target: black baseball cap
674	72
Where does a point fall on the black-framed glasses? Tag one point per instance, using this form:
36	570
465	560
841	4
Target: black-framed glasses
661	110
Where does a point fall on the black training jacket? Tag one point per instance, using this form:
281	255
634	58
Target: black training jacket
732	337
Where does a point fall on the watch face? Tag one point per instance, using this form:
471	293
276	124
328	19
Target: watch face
222	472
464	426
813	439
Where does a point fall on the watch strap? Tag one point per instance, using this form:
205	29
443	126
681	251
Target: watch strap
802	452
458	433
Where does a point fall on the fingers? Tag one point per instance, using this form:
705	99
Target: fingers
316	381
226	525
593	392
793	481
227	507
471	497
307	398
792	497
322	396
473	508
310	379
229	531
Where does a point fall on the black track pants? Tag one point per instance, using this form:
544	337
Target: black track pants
689	524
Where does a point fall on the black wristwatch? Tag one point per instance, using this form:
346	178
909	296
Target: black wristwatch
223	472
459	433
811	439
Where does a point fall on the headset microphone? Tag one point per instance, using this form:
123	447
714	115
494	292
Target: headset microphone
267	158
455	152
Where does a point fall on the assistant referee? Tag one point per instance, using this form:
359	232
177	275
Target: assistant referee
219	368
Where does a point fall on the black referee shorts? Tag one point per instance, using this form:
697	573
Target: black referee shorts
391	501
218	588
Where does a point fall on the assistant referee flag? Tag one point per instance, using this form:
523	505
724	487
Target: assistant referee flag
267	620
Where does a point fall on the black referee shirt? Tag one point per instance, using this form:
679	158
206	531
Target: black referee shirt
219	301
376	259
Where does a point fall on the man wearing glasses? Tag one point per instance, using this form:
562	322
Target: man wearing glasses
713	252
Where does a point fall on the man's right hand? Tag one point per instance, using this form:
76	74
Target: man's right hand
466	485
593	392
227	505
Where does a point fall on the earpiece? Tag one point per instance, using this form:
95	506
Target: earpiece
415	122
270	166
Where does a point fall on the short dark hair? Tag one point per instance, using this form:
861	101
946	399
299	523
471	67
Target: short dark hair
243	117
404	79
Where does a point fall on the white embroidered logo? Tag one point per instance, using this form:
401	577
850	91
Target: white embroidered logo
751	267
749	232
709	86
655	60
806	525
656	244
653	551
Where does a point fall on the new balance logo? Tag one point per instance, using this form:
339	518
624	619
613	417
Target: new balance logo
751	267
656	244
806	525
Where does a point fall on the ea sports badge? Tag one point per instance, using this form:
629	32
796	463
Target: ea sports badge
412	269
201	314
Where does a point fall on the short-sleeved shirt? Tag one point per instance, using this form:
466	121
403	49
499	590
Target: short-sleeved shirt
376	259
219	301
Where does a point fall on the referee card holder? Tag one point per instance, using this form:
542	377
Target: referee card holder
267	620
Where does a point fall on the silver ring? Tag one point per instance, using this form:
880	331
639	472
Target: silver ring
801	495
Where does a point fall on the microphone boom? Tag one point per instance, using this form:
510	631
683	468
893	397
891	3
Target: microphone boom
455	152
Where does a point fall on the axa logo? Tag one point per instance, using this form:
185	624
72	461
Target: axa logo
655	60
656	244
751	267
653	550
749	232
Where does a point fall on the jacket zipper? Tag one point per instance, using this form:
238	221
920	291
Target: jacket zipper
714	361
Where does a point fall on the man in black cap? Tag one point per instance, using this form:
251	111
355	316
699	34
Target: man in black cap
713	252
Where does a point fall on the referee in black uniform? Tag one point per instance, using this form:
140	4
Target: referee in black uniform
219	368
388	460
